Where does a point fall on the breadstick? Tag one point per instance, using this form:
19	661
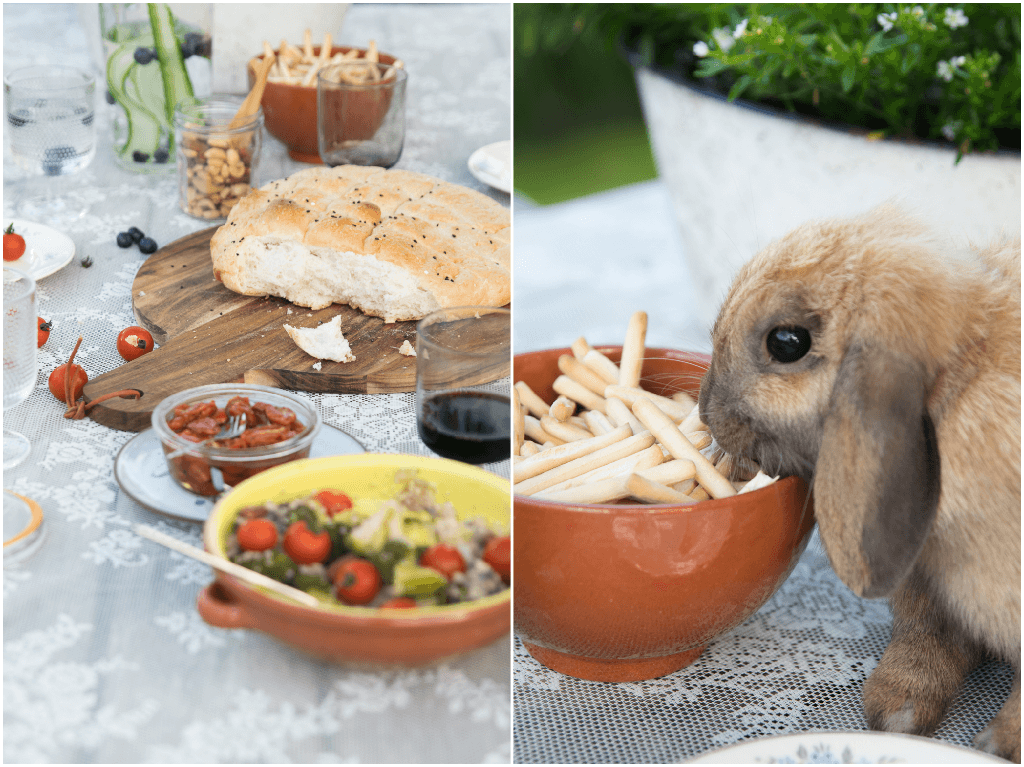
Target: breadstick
534	405
653	492
580	347
724	465
672	438
584	463
580	373
581	394
699	439
597	422
536	432
579	423
570	451
601	365
692	422
307	43
646	459
633	350
528	448
684	399
563	431
687	485
518	423
619	413
604	491
630	394
671	472
701	494
562	408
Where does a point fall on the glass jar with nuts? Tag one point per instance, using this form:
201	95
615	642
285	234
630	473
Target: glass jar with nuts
218	152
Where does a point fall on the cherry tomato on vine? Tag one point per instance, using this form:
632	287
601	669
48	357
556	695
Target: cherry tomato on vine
257	535
304	546
443	558
43	331
356	581
399	602
14	244
78	381
498	554
334	501
133	342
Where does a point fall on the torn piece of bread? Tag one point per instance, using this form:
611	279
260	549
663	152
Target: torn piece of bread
391	243
325	342
407	349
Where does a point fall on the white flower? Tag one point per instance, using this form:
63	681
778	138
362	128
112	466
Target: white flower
949	130
741	29
724	39
917	10
954	18
701	49
959	61
886	20
945	71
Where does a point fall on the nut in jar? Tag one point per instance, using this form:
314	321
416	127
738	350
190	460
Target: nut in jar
216	162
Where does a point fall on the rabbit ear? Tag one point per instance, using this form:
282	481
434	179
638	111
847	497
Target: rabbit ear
876	484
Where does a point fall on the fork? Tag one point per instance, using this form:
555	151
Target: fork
234	426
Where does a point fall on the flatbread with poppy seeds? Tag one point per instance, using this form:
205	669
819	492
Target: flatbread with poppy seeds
391	243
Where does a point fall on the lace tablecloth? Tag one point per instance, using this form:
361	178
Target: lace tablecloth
105	656
798	664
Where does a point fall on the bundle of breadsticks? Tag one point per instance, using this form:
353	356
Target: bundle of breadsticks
606	439
299	66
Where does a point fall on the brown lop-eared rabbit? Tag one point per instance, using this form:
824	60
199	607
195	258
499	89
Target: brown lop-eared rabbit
883	367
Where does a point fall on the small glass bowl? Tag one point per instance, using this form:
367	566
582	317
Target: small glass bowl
207	470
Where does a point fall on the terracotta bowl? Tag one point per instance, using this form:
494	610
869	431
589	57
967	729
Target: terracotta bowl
342	633
618	593
289	111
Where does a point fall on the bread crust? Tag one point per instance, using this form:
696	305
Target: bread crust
444	245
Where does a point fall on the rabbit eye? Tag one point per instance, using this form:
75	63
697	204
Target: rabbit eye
788	344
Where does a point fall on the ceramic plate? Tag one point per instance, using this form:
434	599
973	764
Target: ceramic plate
141	471
845	748
492	165
46	249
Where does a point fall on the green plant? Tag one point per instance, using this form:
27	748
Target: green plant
937	72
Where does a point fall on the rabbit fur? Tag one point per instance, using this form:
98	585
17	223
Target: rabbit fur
904	417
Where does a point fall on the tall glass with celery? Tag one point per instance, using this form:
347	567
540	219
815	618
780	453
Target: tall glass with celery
156	54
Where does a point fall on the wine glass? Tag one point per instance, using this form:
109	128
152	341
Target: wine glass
50	113
22	516
463	388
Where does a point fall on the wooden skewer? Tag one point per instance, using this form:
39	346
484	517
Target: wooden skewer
227	566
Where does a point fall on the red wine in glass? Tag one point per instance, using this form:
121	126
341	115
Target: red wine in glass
470	426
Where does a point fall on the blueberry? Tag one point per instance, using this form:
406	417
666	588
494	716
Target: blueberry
147	245
139	156
190	45
136	234
124	240
110	97
161	155
144	55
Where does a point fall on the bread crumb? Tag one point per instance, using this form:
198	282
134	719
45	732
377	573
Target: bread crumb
325	341
317	365
407	349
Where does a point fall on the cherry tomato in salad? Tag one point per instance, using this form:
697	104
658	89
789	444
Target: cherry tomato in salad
399	602
257	535
43	331
334	501
498	554
133	342
78	381
14	244
304	546
443	558
356	581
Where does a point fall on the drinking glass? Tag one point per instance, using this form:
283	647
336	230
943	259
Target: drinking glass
51	123
463	388
19	355
360	113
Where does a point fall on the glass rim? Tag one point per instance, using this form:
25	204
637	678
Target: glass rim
186	114
16	77
25	278
400	76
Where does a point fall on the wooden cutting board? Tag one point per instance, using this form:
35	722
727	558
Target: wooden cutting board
207	334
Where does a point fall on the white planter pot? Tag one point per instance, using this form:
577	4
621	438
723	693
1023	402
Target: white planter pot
741	177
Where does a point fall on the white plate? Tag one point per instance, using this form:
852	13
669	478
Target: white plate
866	747
141	471
46	249
492	165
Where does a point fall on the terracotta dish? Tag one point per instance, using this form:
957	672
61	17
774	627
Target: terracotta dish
341	633
289	111
618	593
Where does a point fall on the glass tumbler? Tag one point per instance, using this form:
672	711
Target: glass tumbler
463	388
217	155
360	113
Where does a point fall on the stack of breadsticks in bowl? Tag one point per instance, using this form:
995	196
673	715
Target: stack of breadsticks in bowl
636	541
605	438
